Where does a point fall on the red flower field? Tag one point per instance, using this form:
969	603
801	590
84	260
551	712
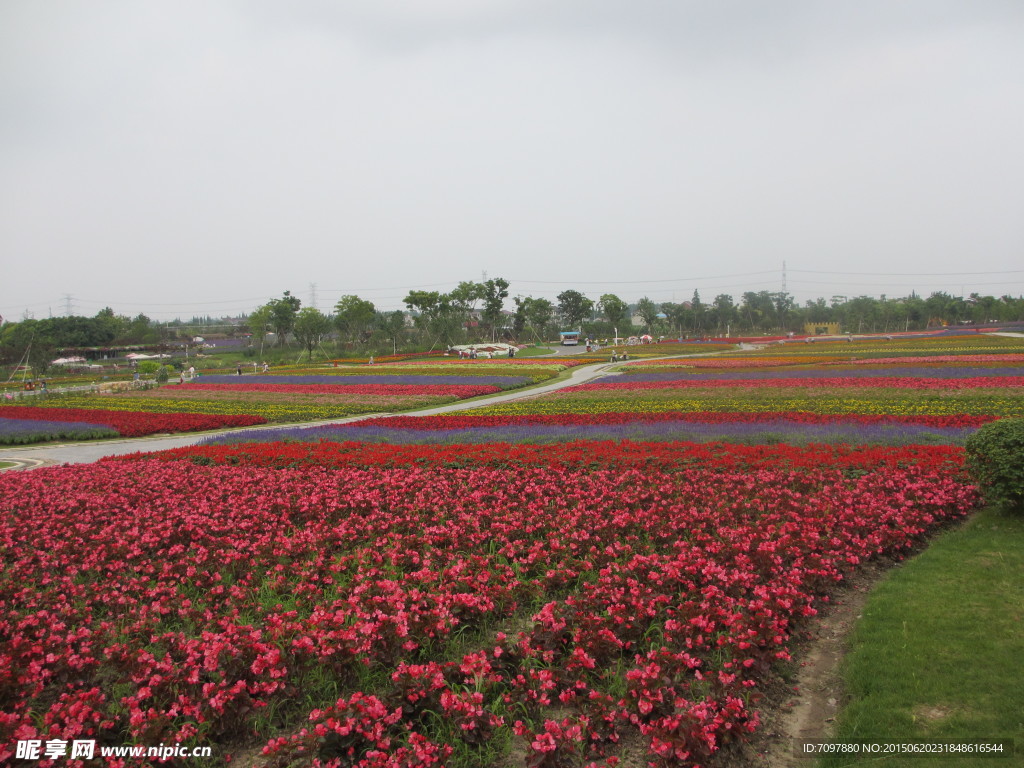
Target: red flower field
319	607
461	391
134	423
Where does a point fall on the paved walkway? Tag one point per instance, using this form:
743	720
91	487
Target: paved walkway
29	457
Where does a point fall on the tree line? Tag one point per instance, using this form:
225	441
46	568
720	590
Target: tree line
478	312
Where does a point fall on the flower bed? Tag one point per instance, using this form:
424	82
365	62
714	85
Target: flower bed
670	348
612	383
130	423
766	431
750	361
269	406
792	428
23	431
936	371
648	601
378	379
1002	403
460	391
476	419
573	456
542	363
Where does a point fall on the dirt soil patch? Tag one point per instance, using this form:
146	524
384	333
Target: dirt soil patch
805	706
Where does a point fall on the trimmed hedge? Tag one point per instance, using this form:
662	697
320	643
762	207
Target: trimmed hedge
995	459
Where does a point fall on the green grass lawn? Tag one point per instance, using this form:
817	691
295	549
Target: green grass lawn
939	652
6	464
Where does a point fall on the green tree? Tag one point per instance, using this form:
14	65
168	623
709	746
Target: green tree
679	315
436	314
519	319
260	322
494	294
575	308
28	342
697	310
862	314
817	311
461	303
783	306
141	330
310	326
758	311
724	313
282	313
392	324
614	309
354	316
648	312
539	313
113	325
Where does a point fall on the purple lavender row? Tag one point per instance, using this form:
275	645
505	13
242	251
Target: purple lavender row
341	379
20	431
760	433
944	372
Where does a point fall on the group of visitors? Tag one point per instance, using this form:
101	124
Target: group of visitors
238	369
473	354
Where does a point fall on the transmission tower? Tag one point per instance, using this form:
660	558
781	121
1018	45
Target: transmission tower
312	295
68	304
784	276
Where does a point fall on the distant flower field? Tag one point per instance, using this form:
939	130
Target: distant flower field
283	396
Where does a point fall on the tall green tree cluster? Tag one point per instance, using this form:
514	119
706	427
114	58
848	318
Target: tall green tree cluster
38	342
454	318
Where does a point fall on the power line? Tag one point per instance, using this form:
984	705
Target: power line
910	274
639	282
914	283
174	304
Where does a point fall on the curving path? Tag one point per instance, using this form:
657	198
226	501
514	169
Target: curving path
29	457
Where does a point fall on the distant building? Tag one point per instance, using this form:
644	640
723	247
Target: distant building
821	329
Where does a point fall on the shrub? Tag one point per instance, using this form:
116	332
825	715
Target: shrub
163	373
995	459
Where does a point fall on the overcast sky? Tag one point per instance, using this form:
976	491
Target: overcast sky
184	158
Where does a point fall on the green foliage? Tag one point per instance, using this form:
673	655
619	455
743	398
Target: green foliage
494	293
575	308
282	314
354	316
537	314
614	309
163	373
147	367
311	325
260	322
995	459
648	311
